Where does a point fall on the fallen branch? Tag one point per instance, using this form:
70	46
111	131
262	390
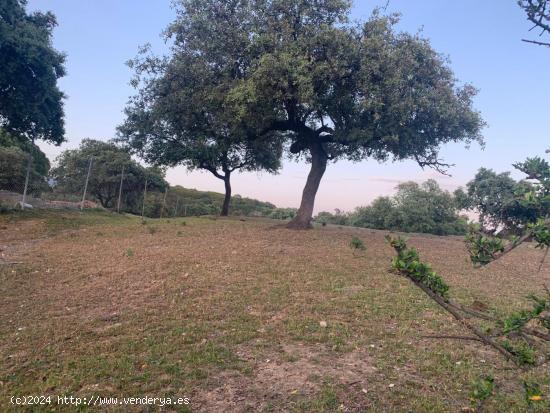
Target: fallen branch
454	337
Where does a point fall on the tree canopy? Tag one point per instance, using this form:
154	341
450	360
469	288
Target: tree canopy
180	115
31	104
504	203
14	158
107	162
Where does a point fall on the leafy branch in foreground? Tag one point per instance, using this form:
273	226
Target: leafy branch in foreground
518	338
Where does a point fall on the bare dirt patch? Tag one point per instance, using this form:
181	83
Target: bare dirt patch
297	371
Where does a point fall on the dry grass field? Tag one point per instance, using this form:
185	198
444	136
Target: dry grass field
245	316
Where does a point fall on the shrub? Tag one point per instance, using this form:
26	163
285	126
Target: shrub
357	244
422	208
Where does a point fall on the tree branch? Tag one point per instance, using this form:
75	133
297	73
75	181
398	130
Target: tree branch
535	42
483	338
211	169
433	163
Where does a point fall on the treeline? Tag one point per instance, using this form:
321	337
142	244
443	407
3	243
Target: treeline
504	206
182	202
507	206
424	208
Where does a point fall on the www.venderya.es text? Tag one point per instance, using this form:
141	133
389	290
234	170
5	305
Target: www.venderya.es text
98	401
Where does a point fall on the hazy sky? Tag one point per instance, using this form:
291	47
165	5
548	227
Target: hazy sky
482	39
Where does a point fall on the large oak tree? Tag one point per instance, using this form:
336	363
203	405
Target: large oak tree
298	70
346	91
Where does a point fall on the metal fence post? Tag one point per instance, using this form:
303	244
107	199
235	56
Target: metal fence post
163	202
24	201
86	184
176	207
144	196
120	190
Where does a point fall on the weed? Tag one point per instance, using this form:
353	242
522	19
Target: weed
325	401
482	389
357	244
523	352
129	252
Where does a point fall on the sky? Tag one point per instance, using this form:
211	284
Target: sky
481	38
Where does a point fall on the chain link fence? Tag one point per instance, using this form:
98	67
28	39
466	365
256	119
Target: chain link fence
23	187
20	183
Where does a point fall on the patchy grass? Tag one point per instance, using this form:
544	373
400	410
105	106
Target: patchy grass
243	316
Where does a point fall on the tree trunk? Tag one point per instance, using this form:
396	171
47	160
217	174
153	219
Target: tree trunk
302	220
227	199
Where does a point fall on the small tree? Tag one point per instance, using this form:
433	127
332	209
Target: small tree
31	104
414	208
108	160
527	213
502	202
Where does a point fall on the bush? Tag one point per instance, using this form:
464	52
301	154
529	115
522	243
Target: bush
422	208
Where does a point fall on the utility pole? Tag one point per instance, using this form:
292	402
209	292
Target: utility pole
86	184
163	202
120	190
144	196
24	201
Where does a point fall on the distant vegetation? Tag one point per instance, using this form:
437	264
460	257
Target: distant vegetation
506	204
112	164
422	208
182	201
